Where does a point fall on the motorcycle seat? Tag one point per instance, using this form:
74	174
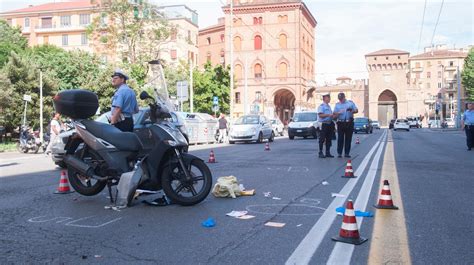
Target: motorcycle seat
124	141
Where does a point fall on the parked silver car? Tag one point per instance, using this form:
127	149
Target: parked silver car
251	128
277	126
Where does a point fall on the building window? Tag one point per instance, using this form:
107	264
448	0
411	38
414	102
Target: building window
27	22
428	64
282	70
398	57
258	70
237	43
439	84
222	37
451	63
417	65
189	39
257	20
208	56
439	74
282	19
103	20
428	74
83	38
222	57
174	54
387	78
283	41
375	58
65	21
84	19
237	97
258	42
258	96
173	34
238	71
65	40
386	58
208	40
46	22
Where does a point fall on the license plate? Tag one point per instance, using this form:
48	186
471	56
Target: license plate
299	130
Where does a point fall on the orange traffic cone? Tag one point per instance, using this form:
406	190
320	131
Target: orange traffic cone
212	158
385	198
357	140
349	173
63	184
349	232
267	147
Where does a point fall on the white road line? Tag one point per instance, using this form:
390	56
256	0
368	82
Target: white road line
310	243
342	253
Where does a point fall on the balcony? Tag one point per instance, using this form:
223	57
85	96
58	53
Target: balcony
450	68
417	69
60	28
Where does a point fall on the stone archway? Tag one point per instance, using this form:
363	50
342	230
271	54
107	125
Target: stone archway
387	107
284	102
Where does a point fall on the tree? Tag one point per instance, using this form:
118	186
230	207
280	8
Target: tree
20	77
136	31
467	75
212	82
11	40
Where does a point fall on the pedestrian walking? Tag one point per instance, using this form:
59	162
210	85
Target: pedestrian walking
54	131
124	103
222	129
326	116
345	110
467	124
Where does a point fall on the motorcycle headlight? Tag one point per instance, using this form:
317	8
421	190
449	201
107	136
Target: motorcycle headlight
170	142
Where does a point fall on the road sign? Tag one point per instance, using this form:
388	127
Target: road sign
182	90
215	100
215	108
27	98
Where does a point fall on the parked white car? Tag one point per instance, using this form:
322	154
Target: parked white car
414	122
251	128
376	125
277	126
401	124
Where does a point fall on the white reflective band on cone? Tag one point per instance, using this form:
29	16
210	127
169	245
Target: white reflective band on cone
385	197
385	188
349	227
349	212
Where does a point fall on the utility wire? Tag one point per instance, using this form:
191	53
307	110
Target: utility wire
422	24
437	20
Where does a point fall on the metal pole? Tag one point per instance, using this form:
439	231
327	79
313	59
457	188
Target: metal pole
231	43
181	97
41	106
191	91
458	115
24	113
245	88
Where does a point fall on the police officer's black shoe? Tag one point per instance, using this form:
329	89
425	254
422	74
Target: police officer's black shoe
339	155
469	149
321	155
348	156
329	155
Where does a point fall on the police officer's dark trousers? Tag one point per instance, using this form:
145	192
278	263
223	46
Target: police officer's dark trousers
126	125
469	129
344	136
325	136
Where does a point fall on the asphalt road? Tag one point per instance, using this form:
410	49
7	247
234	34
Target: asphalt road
434	172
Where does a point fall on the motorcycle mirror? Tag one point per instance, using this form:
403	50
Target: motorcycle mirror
144	95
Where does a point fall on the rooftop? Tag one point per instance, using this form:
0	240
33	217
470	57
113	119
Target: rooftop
78	4
387	52
440	54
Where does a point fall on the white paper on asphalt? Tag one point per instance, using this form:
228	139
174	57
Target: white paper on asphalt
310	243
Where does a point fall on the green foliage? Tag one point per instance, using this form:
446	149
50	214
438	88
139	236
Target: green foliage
20	77
11	40
137	29
212	82
467	75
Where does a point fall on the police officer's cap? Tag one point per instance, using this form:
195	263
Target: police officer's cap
327	95
341	95
120	73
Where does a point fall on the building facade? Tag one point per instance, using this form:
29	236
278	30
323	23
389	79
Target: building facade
274	55
62	24
355	90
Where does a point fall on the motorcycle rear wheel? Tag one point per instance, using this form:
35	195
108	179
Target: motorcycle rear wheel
184	192
82	184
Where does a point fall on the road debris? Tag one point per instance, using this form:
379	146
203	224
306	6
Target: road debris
275	224
299	225
226	187
267	194
246	217
209	222
325	183
237	213
337	195
248	192
276	198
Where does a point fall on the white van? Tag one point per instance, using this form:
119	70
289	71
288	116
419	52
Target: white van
304	124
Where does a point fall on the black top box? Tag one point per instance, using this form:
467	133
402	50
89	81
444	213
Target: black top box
76	103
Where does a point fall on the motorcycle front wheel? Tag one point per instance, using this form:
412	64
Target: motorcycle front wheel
187	192
83	184
21	149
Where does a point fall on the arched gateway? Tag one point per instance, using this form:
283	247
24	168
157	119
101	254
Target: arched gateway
387	107
284	101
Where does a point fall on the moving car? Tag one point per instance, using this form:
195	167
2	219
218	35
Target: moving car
277	126
363	124
450	122
251	128
376	125
414	122
140	119
401	124
303	124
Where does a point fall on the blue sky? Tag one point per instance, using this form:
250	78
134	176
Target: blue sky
349	29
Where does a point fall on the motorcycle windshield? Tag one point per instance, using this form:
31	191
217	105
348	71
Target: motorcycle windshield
157	84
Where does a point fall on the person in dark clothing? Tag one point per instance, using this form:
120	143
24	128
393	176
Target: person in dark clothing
222	129
326	116
467	124
345	110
